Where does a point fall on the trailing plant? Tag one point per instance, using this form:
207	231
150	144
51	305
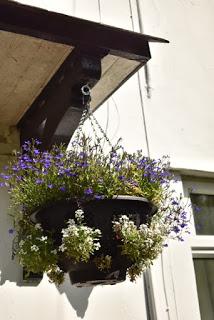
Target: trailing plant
140	244
36	179
36	251
103	263
79	241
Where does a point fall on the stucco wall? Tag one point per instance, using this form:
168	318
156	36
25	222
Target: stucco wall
177	100
22	301
41	300
179	110
178	94
180	113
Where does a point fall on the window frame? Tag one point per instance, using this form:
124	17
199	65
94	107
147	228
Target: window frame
202	246
204	186
172	277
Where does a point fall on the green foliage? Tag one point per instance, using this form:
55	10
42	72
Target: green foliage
79	242
36	251
103	263
36	179
55	275
141	245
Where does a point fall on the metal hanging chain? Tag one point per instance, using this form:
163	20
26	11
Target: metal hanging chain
85	102
92	118
87	113
78	131
93	128
82	119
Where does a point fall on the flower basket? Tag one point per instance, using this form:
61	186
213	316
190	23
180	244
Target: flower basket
98	214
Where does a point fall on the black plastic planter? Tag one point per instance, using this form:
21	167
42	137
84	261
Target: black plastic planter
98	214
87	274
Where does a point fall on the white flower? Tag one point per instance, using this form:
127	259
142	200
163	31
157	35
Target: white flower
73	232
97	246
54	251
34	248
38	226
55	269
79	212
71	222
21	243
89	241
149	242
43	238
22	252
62	248
79	215
124	218
143	228
98	232
85	229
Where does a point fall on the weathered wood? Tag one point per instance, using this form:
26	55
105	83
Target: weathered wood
55	114
73	31
27	65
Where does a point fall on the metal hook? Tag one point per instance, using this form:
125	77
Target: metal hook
86	91
86	96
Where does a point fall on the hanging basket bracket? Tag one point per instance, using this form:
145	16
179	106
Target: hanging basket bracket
62	102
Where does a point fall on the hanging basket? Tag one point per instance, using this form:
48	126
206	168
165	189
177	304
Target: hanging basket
98	214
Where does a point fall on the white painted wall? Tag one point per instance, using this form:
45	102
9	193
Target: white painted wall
22	301
45	301
179	114
179	122
42	300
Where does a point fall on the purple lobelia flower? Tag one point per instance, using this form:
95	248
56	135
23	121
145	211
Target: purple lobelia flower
98	197
11	231
39	181
88	191
62	188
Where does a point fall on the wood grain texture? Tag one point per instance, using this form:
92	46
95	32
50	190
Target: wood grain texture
27	64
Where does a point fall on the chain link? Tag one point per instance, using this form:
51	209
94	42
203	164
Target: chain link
92	118
85	90
78	131
87	113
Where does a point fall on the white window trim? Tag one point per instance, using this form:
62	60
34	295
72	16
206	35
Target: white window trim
172	277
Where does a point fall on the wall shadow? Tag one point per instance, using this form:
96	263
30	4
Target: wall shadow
10	269
77	297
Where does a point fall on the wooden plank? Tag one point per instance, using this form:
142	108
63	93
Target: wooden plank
55	114
60	28
27	65
120	52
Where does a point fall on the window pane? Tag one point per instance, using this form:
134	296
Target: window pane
204	270
203	210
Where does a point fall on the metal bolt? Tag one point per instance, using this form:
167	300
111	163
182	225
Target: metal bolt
86	90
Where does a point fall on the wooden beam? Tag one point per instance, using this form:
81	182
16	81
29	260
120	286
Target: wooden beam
43	24
55	114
